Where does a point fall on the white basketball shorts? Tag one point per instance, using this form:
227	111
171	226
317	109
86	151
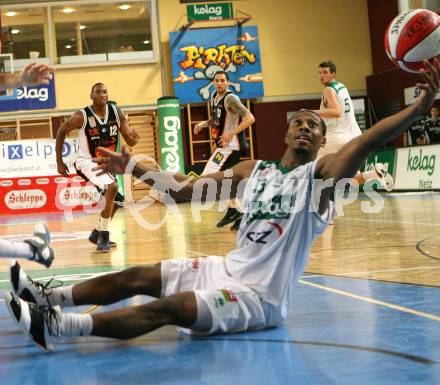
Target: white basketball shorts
333	145
234	307
85	167
221	159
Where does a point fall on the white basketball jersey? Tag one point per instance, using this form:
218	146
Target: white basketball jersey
346	125
280	223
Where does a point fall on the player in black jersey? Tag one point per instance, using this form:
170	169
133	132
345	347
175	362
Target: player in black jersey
416	134
98	125
432	126
229	120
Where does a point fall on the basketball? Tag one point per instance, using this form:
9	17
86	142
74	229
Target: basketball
413	36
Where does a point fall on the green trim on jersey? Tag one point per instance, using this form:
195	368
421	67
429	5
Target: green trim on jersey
267	163
336	86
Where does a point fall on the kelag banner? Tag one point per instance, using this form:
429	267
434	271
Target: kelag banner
417	168
29	98
197	55
171	144
385	156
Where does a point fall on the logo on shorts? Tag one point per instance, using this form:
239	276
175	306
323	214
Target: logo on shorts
194	264
218	158
224	297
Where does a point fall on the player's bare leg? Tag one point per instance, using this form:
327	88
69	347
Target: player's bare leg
48	324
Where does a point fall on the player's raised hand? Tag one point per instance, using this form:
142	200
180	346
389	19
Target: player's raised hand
35	74
134	134
111	161
431	75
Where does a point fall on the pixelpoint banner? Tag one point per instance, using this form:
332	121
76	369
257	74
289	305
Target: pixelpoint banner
198	54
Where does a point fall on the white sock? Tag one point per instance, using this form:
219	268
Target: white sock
61	296
15	250
104	223
238	205
98	227
76	325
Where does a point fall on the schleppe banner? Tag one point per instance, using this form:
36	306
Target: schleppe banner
30	183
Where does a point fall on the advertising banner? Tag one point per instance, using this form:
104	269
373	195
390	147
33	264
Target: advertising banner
215	11
30	183
385	156
171	143
412	93
196	1
418	168
29	98
197	55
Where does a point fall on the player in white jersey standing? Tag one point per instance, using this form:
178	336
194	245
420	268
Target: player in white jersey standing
288	204
338	113
98	125
34	248
228	134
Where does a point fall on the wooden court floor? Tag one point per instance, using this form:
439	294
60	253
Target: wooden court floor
399	244
366	309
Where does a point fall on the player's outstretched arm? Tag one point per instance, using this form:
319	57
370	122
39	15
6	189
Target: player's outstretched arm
74	122
201	125
347	161
130	134
182	188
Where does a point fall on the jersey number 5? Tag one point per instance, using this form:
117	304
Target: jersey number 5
347	105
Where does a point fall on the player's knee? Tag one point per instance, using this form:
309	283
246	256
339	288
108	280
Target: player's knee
144	279
185	309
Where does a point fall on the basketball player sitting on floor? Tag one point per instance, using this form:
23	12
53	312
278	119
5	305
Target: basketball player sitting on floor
288	204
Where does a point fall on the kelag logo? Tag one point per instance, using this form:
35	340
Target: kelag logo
42	94
421	162
171	137
15	151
